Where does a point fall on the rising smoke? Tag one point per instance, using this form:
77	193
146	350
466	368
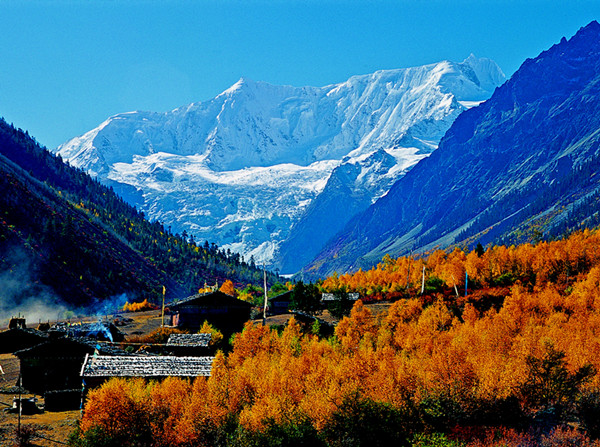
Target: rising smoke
110	305
21	293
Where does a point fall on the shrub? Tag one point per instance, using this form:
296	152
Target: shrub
159	336
364	422
302	434
433	284
434	440
549	388
588	410
25	435
216	335
139	307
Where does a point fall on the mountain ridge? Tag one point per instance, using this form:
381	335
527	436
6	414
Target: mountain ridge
200	167
497	166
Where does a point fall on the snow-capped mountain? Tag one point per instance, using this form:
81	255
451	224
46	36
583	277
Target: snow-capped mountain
243	168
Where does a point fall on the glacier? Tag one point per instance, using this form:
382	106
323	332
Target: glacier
245	168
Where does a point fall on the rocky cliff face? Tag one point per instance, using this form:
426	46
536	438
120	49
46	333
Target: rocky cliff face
518	167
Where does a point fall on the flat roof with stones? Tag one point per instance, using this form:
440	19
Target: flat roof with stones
145	366
189	340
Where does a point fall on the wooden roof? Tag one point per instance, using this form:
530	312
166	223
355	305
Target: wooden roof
189	340
285	296
98	330
13	340
352	296
66	346
146	366
210	299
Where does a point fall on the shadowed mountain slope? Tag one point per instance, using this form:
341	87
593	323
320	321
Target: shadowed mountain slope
519	167
66	238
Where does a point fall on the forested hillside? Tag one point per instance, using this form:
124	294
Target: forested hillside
77	237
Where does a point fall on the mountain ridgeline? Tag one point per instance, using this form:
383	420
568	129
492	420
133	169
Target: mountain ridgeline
342	175
64	235
520	167
258	166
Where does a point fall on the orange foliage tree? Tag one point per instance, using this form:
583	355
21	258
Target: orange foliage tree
228	288
139	307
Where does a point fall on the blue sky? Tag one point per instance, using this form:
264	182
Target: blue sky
65	65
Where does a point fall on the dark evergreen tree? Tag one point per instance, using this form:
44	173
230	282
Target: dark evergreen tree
306	298
479	249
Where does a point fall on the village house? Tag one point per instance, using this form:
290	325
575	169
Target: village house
17	323
352	296
55	364
280	304
222	311
20	338
189	340
189	344
99	330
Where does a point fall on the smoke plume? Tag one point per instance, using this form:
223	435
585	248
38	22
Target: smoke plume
21	293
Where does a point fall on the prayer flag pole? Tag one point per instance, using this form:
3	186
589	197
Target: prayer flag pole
162	316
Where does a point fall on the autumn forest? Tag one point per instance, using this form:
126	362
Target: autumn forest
490	347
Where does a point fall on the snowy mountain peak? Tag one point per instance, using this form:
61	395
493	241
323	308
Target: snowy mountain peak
487	72
243	85
235	87
241	169
519	166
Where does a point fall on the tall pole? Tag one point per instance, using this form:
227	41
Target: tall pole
454	283
408	274
162	315
20	406
265	286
